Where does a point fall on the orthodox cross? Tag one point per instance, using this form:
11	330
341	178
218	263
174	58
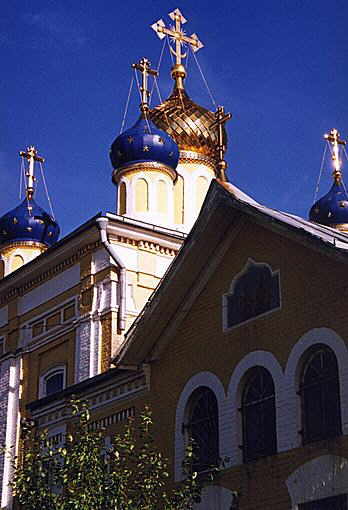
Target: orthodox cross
144	66
221	118
177	34
31	155
334	138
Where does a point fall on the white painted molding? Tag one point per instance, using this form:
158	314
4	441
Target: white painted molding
319	478
268	361
50	289
212	382
215	498
327	337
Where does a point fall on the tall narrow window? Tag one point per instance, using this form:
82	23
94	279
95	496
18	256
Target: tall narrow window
123	199
179	201
203	428
320	395
162	197
141	196
259	415
2	269
201	191
17	262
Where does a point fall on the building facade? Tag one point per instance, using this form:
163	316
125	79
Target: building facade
235	334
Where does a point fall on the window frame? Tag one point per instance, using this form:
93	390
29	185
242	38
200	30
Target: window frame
57	369
307	435
42	319
251	376
192	402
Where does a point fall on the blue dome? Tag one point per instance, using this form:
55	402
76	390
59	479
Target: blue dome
142	143
28	222
332	208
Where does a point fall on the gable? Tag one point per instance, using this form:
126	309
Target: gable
229	233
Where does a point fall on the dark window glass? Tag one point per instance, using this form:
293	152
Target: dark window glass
203	427
320	395
256	292
335	503
54	383
258	415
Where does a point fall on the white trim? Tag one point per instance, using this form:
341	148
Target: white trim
212	382
215	497
327	337
320	478
12	426
250	262
27	326
60	368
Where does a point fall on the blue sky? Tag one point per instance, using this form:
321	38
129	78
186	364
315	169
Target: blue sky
278	65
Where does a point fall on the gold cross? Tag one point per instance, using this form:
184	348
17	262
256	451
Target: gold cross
31	152
177	35
221	118
334	138
31	155
144	66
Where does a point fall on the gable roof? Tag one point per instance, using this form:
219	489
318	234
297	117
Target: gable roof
221	218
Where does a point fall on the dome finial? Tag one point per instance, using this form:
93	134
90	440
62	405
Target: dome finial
334	139
144	66
221	119
177	34
31	155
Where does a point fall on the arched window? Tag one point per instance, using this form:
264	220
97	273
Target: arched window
162	197
52	381
141	196
203	428
122	199
320	395
258	415
179	201
17	262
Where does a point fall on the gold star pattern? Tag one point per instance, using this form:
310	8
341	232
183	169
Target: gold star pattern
130	139
160	140
146	148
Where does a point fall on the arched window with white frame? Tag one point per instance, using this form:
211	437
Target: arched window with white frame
320	394
202	426
258	415
52	381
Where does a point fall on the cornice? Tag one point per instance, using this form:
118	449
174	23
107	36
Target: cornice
196	157
30	283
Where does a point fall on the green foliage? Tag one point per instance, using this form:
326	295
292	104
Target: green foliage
130	475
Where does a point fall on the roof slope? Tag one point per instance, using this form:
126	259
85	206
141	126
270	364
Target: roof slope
222	215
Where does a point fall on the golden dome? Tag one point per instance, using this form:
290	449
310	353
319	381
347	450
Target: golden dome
188	123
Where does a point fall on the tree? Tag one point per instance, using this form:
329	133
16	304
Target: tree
131	474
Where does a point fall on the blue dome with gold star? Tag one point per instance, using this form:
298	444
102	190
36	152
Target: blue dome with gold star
28	222
332	208
144	143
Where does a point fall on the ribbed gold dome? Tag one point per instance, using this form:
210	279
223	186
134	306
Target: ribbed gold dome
187	123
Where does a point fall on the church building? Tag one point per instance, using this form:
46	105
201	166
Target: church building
225	316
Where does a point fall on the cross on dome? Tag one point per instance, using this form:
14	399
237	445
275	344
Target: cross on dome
179	37
221	119
144	66
31	155
334	138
